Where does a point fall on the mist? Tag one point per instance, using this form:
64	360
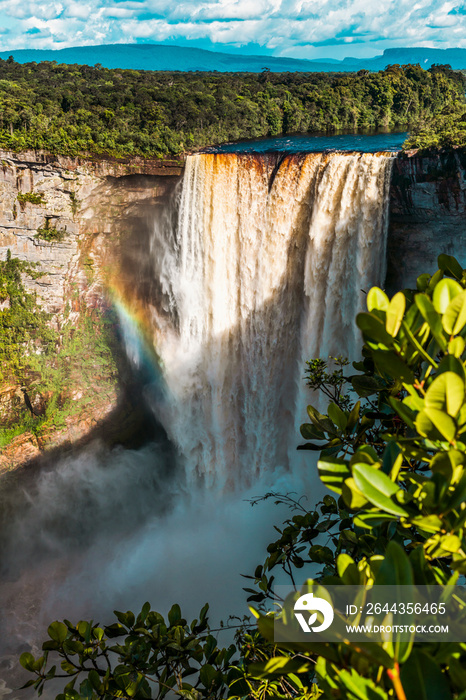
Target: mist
110	529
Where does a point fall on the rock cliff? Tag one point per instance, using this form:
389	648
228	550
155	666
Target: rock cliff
91	205
427	214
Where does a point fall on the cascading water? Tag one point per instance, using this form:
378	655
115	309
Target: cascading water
265	271
257	266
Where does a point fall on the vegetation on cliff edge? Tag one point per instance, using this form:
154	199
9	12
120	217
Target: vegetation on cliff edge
76	110
59	371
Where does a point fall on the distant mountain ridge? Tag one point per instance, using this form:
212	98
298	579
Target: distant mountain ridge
184	58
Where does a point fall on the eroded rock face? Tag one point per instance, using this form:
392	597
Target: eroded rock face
81	199
103	209
427	215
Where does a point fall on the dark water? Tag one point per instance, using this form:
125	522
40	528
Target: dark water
367	143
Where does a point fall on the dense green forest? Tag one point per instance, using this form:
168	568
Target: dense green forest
445	131
71	109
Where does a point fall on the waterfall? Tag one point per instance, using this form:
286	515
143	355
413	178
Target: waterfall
264	271
256	265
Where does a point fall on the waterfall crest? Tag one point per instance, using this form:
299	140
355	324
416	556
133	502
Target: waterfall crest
265	271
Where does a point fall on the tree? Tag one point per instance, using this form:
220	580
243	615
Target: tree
396	461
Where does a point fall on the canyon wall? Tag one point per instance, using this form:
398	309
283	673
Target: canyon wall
427	215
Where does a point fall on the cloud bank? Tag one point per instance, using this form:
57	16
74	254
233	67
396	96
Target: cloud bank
299	28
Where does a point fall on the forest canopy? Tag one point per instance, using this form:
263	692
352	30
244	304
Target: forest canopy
83	110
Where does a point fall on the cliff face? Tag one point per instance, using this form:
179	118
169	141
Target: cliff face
427	215
99	208
81	198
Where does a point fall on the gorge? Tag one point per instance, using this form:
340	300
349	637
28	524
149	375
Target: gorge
227	273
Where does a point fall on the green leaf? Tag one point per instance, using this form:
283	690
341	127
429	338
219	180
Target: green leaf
459	494
446	393
456	346
434	280
352	496
395	313
395	570
58	632
365	385
94	679
417	345
174	614
446	290
208	675
431	316
446	463
353	417
436	425
371	520
333	472
377	299
422	678
279	666
322	423
377	488
449	264
422	282
348	570
360	688
267	627
373	329
27	661
310	432
429	524
391	454
450	363
404	412
390	364
454	318
84	629
337	416
450	543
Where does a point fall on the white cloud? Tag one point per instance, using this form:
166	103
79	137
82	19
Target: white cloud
305	28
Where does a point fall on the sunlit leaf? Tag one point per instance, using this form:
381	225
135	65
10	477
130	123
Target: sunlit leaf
395	313
446	290
377	299
436	425
454	318
378	488
446	393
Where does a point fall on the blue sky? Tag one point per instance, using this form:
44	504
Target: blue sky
298	28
